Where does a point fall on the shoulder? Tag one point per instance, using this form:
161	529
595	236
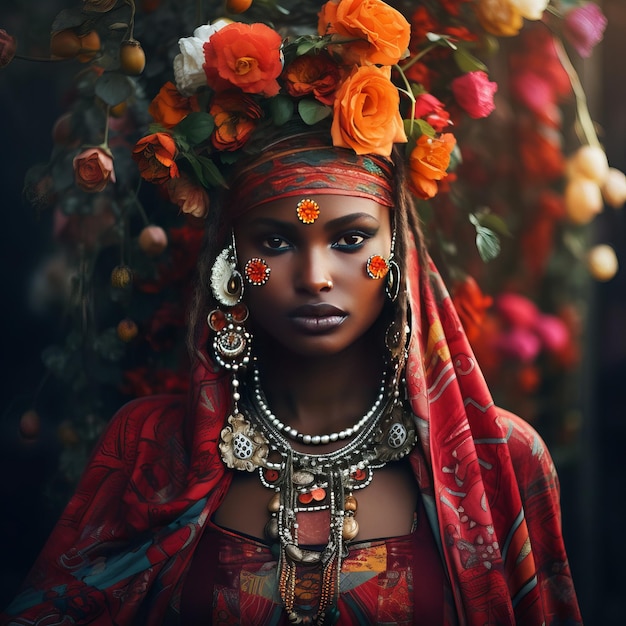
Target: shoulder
529	454
151	418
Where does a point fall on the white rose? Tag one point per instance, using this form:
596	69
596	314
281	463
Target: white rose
188	73
530	9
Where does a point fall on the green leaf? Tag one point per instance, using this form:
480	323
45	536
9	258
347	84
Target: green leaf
312	111
195	127
487	241
206	171
495	223
281	109
467	62
212	174
420	127
114	88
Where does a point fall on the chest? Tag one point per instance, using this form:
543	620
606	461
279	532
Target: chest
386	507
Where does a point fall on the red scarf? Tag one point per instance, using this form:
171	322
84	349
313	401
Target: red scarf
121	549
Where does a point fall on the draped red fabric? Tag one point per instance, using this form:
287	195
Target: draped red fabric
121	550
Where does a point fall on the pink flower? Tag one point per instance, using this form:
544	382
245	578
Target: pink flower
532	90
584	28
520	344
553	332
93	169
8	45
517	310
189	196
474	93
429	108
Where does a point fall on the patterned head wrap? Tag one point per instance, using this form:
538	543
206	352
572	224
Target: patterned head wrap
306	163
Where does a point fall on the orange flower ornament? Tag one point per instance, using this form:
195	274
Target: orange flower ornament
428	163
169	107
384	32
366	112
155	155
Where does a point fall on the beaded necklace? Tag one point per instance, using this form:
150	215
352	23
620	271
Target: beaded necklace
303	482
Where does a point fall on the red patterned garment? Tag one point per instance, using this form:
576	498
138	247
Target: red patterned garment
121	550
233	580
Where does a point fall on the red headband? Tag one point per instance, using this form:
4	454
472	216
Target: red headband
310	167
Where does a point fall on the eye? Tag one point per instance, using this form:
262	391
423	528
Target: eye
275	242
351	241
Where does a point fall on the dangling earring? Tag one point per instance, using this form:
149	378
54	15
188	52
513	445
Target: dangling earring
226	282
392	288
257	271
232	343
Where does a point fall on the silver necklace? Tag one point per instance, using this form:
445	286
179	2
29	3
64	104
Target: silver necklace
292	433
305	482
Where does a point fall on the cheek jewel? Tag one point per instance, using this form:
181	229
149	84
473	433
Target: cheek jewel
377	267
307	210
257	271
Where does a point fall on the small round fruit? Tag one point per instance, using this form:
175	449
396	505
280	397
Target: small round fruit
590	162
614	188
583	200
238	6
152	240
30	424
65	44
132	57
121	276
89	46
127	330
602	262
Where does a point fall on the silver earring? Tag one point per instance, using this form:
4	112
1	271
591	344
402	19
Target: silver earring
226	280
392	286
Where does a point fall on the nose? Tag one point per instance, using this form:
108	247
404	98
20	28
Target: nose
314	273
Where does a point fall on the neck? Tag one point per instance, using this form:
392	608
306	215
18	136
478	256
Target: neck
322	394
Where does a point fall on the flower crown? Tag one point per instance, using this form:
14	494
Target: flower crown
233	79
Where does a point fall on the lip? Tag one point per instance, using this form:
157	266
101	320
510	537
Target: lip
317	318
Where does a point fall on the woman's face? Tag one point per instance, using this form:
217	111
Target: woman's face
319	298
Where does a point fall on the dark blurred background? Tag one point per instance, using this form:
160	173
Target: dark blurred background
594	510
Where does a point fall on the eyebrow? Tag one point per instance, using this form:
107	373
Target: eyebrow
334	224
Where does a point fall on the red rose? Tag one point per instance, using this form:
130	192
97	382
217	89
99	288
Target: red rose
247	56
474	93
235	116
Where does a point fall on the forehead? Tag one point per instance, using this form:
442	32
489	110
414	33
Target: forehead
333	208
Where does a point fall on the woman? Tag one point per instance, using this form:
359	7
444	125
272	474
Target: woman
339	458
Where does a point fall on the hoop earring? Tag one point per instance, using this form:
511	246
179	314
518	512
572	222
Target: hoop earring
226	281
394	276
392	287
257	271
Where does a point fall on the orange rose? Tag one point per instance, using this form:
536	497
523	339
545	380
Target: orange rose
428	163
189	196
366	116
169	107
235	116
93	169
385	31
313	74
155	155
499	17
247	56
